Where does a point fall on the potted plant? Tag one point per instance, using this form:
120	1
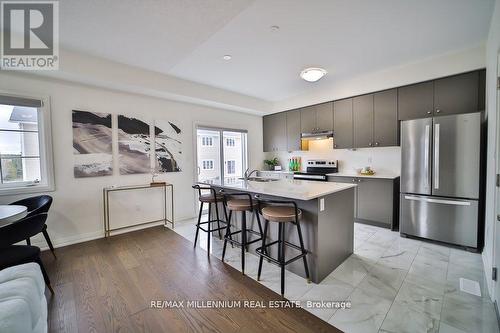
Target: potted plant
271	164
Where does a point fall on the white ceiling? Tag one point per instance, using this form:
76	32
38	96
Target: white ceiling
187	38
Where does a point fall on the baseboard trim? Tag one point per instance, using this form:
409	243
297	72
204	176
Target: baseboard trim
65	241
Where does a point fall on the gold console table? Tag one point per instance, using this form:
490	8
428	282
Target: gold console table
165	186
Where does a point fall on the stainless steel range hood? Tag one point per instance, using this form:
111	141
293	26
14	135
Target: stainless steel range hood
316	135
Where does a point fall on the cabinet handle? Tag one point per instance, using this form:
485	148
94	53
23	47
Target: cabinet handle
376	143
438	111
334	146
359	180
429	112
370	144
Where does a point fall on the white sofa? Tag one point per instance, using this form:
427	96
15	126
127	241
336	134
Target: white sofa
23	306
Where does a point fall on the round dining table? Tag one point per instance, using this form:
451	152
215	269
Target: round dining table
11	213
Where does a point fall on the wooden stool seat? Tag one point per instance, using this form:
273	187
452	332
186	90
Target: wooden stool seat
210	198
280	213
241	204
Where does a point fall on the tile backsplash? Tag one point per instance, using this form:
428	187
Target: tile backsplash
382	159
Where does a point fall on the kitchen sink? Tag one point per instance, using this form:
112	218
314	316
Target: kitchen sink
259	179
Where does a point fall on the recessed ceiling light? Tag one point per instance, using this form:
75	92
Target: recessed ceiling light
312	74
275	28
227	57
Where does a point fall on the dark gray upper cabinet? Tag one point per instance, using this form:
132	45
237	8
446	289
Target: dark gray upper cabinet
362	110
342	124
293	130
308	119
385	118
317	118
324	116
456	94
416	101
274	132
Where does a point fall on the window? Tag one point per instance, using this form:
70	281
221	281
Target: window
230	142
208	164
231	167
207	141
25	146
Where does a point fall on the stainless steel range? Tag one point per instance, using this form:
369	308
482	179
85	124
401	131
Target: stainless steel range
317	170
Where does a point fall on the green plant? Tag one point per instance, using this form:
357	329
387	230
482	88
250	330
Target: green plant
272	163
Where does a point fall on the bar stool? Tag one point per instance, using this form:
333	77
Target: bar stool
281	212
212	198
241	202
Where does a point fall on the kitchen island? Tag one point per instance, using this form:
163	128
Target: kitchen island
327	220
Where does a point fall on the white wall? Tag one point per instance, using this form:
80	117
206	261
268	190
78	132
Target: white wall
493	47
76	214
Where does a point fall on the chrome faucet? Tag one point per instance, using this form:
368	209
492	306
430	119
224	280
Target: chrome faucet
247	174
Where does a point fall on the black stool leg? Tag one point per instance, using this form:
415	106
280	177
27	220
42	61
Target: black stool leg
209	233
243	239
282	256
266	223
218	220
198	224
228	222
228	231
303	251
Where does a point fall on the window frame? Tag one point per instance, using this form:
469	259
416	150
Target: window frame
47	181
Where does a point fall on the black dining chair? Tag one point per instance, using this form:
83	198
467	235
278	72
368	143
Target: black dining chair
37	205
12	255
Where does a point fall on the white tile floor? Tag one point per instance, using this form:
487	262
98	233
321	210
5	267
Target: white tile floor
394	284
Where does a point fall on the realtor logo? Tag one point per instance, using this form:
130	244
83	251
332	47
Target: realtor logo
30	35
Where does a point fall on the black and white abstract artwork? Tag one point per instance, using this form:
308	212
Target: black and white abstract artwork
134	146
92	144
168	147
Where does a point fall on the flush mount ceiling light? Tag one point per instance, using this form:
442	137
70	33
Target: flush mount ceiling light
227	57
312	74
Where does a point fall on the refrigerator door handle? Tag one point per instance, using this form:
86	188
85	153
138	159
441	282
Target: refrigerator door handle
427	142
436	156
440	201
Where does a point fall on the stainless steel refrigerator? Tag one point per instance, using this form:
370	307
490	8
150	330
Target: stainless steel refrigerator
440	178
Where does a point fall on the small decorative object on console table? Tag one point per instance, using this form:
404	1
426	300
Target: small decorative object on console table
107	190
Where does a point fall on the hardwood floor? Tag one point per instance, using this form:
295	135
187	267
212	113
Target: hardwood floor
107	285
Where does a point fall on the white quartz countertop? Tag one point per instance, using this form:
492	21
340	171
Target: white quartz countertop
287	188
357	175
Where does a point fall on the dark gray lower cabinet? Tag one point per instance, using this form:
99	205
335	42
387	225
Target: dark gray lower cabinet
377	200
